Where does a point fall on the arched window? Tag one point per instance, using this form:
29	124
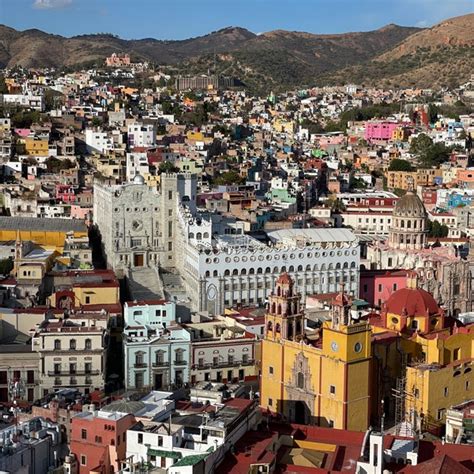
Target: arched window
277	328
252	271
227	273
345	265
214	273
206	235
291	269
139	358
273	308
57	344
235	272
278	291
72	344
269	326
198	236
259	271
338	266
191	235
88	345
295	307
308	268
353	264
290	331
300	380
244	271
300	268
208	273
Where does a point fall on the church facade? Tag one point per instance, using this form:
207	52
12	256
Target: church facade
441	271
323	382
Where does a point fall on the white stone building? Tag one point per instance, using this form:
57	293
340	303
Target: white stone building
222	270
72	353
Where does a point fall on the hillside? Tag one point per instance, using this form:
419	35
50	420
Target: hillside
441	56
279	59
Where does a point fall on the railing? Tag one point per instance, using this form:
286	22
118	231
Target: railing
160	364
140	365
235	363
180	362
73	372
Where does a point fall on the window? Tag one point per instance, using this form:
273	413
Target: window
331	423
98	439
270	401
160	440
440	414
83	434
170	246
468	384
380	287
88	299
270	370
170	194
83	460
456	353
88	344
300	380
414	324
72	344
30	376
88	367
332	389
445	391
72	368
57	345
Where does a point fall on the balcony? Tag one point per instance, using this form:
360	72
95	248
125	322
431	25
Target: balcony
70	373
140	365
180	362
224	364
160	364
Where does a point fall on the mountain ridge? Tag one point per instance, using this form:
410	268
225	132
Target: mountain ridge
279	58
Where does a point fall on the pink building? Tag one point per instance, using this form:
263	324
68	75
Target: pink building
379	130
65	193
81	212
376	286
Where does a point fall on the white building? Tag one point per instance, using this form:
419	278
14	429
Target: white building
140	135
234	270
29	101
98	142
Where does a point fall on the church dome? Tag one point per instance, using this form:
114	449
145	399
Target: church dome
412	302
138	179
410	205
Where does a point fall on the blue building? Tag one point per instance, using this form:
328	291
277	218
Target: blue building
156	347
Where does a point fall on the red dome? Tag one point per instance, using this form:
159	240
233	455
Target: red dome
412	302
285	279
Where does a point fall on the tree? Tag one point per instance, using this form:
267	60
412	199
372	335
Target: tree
435	229
3	86
229	177
168	167
6	266
400	165
429	154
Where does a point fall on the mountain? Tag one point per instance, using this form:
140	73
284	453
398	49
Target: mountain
273	60
440	56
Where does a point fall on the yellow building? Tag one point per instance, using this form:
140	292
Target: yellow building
325	382
443	377
48	233
422	356
94	287
35	146
406	179
283	126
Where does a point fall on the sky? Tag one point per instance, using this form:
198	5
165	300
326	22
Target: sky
179	19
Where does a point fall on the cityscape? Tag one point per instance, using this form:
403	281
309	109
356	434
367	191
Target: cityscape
234	251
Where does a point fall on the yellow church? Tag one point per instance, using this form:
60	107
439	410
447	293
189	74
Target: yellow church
344	376
325	382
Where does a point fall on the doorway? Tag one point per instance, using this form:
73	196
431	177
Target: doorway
158	381
138	260
300	413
